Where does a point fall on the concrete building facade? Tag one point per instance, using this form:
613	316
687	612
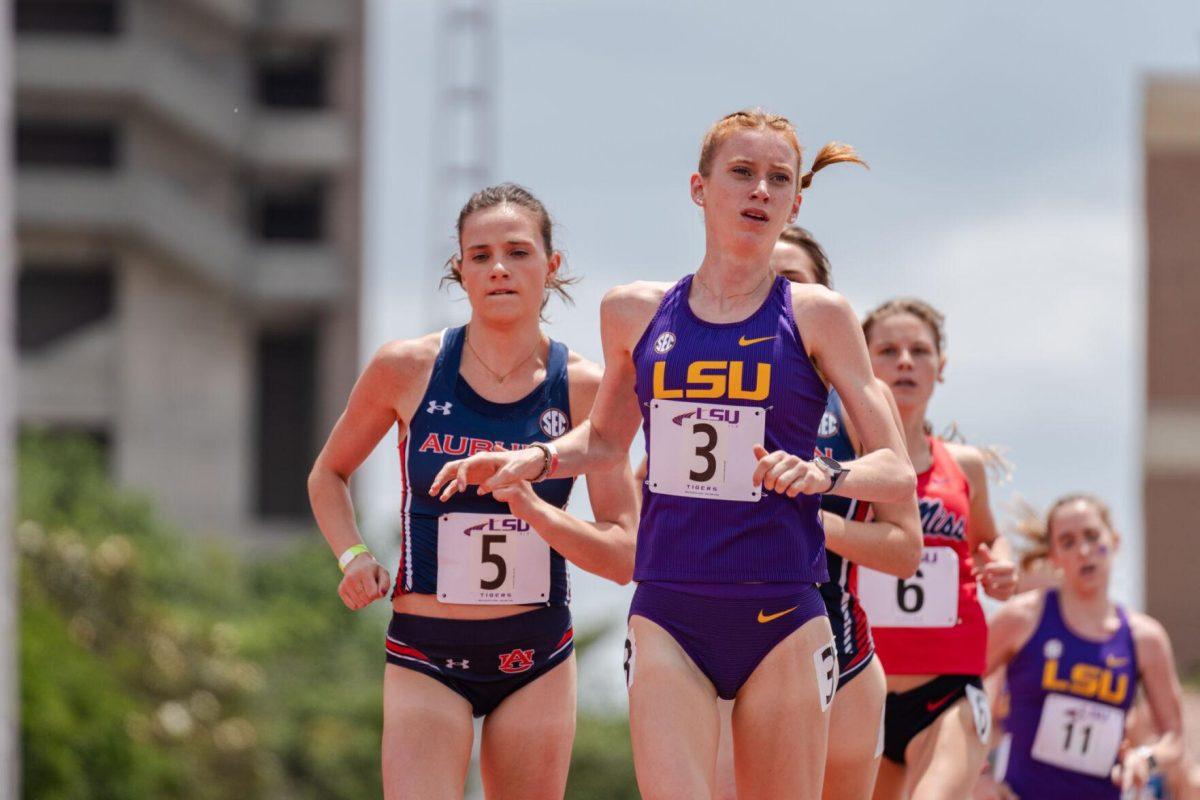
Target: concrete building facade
189	233
1171	478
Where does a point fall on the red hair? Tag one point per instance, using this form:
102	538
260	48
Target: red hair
757	119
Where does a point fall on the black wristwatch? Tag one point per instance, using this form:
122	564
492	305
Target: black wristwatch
832	468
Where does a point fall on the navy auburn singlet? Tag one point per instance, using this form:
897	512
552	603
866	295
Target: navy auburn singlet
851	630
709	392
454	421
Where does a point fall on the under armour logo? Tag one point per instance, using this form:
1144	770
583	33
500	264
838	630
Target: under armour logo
452	664
434	407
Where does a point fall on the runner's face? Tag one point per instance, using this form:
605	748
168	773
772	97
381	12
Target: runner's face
793	263
1082	546
904	355
504	264
750	193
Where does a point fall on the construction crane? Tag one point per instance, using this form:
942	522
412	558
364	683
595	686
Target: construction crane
464	125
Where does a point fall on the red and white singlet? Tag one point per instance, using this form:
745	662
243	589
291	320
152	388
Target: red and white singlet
931	623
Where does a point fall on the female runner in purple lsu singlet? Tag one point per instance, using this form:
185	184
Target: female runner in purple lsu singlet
727	371
1074	661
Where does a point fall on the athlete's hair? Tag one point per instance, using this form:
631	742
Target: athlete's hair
1036	529
512	194
758	119
909	305
802	238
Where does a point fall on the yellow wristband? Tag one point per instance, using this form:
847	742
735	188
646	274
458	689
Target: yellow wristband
352	553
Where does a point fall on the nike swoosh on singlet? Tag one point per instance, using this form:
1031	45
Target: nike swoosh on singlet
935	705
1113	662
769	617
743	341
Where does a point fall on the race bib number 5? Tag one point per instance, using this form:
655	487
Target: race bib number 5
929	599
491	559
705	450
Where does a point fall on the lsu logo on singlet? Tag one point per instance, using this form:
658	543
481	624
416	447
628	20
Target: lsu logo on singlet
937	521
712	380
1085	680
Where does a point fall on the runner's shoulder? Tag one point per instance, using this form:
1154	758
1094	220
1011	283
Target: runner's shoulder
583	380
403	359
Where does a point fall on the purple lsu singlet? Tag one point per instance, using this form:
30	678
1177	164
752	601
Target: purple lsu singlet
709	392
1068	697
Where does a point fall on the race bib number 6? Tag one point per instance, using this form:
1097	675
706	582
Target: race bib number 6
705	450
929	599
491	559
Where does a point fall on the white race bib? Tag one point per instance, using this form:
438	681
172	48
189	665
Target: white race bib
705	450
928	599
1079	735
491	559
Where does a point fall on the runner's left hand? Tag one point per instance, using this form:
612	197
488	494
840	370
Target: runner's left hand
998	576
788	474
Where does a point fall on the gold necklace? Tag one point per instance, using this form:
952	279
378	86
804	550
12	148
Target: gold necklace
757	286
499	378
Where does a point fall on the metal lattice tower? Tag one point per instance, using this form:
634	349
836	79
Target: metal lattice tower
464	128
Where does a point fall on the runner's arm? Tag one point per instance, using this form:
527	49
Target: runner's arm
604	547
832	332
1156	665
603	440
890	543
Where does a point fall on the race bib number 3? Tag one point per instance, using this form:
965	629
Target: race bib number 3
705	450
929	599
1079	735
491	559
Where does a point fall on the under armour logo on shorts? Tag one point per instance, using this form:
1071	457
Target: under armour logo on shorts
463	664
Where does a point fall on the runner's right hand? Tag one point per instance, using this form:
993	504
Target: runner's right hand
488	471
365	582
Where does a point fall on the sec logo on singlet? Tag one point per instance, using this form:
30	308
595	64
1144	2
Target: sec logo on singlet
664	343
553	422
828	426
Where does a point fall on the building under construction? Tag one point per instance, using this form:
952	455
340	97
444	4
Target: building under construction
189	236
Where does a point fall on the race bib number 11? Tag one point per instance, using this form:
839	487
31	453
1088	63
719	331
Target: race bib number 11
705	450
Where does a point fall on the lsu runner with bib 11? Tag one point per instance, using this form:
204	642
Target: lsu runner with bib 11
1074	661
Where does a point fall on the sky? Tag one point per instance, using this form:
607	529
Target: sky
1005	188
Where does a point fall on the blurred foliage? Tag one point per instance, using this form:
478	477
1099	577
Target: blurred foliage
155	665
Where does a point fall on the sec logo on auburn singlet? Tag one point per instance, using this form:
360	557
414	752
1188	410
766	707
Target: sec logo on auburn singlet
828	426
553	422
517	661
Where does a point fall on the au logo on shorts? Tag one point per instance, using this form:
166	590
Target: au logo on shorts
553	422
664	343
517	661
